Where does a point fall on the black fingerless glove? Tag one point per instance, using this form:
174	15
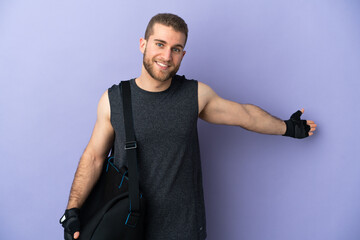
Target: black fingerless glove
295	127
70	222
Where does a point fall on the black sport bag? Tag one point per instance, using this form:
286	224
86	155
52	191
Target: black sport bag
115	208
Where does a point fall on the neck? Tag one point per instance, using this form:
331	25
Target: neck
147	83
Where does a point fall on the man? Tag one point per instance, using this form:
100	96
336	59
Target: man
166	108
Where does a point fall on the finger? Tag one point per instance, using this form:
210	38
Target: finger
76	235
312	129
302	110
309	122
311	133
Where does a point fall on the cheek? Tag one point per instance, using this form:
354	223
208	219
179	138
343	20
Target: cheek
177	59
152	53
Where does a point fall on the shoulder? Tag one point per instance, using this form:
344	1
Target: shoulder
182	80
205	95
113	95
111	90
104	106
205	92
104	97
184	86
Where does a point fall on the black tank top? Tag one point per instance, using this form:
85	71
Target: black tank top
170	177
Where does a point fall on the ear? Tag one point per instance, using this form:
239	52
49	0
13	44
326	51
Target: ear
183	53
142	45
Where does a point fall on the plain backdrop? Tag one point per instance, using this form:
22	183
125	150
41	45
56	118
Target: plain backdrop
58	57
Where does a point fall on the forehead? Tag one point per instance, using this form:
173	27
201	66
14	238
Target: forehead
167	34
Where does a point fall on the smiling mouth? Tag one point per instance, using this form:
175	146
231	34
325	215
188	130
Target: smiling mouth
162	66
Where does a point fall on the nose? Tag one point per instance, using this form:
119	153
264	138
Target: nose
167	54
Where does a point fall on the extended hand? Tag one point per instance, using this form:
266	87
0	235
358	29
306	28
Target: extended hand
297	128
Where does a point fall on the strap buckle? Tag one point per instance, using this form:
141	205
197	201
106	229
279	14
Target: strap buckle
130	145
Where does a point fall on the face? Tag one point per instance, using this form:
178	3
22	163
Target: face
163	52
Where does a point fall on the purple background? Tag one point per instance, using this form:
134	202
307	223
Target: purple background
58	57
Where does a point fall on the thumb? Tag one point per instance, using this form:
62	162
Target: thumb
296	115
76	235
302	110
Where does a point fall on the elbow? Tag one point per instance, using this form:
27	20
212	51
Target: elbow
247	121
92	159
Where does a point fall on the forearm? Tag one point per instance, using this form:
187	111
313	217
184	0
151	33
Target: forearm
86	176
262	122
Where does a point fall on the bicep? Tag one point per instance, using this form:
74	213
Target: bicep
218	110
103	133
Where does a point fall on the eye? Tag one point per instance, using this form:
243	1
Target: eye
177	50
159	44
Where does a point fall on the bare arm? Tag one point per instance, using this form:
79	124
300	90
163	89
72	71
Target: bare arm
92	160
215	109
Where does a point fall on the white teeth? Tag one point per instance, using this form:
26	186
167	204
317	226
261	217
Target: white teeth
161	64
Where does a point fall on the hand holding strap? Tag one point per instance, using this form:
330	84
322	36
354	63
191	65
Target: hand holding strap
70	222
295	127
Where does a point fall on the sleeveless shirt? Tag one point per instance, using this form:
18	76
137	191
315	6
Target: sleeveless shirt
170	177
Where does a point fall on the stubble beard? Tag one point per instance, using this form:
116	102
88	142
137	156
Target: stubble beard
161	75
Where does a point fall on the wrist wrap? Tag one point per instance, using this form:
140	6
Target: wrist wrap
70	222
295	127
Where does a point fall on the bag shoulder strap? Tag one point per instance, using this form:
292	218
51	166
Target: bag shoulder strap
131	154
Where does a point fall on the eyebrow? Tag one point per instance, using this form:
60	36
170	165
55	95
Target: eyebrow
162	41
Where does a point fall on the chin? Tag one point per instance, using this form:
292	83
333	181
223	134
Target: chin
163	77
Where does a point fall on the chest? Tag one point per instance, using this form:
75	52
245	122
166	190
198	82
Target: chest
165	119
